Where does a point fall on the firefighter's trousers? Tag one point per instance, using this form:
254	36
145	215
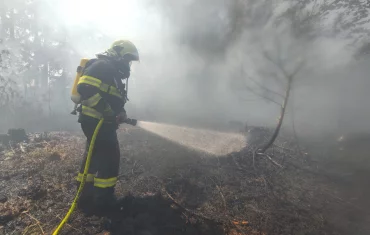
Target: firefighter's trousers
104	166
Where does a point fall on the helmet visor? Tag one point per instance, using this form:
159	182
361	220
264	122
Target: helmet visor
131	57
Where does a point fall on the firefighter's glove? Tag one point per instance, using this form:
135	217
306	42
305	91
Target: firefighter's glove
121	117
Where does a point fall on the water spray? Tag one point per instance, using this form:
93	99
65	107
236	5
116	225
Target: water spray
208	141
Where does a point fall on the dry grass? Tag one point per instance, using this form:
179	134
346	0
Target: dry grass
170	189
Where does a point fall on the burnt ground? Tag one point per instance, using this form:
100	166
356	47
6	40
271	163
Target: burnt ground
169	189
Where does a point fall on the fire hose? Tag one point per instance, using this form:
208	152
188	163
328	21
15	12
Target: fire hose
86	170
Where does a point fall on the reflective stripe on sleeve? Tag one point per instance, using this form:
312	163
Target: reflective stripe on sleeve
99	84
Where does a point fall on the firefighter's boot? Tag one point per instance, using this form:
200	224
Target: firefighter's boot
105	201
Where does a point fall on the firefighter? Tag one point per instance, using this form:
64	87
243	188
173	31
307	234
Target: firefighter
103	94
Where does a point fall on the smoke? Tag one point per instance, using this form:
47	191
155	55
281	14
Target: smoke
196	57
208	43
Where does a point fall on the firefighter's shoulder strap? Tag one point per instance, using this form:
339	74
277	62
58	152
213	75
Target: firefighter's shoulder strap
81	69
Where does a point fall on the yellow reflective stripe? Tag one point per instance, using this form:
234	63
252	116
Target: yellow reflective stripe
108	111
90	80
92	101
114	91
89	177
105	183
91	112
102	86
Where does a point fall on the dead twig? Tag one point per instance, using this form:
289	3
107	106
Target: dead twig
294	130
344	201
263	87
120	186
237	164
70	225
220	191
11	147
260	95
265	182
202	216
186	209
284	148
236	227
256	93
272	160
9	170
254	155
22	148
28	228
133	168
36	220
255	209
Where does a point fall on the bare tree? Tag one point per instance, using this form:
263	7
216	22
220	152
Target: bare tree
277	67
289	77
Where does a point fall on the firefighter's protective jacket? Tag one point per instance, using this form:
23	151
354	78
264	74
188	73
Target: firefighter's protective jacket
102	91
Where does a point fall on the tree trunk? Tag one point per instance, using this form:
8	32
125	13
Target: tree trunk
3	20
11	25
280	122
45	76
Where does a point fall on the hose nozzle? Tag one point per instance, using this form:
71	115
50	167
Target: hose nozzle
131	121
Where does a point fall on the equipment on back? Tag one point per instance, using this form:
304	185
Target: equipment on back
89	106
75	96
120	54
